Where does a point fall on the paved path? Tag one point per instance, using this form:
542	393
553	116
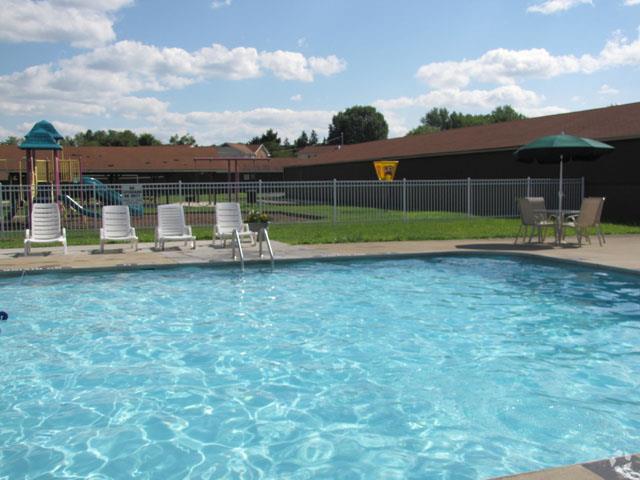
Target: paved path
621	251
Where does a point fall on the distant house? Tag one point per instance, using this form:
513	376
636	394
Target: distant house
487	152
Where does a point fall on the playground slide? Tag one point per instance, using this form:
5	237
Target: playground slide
108	196
71	203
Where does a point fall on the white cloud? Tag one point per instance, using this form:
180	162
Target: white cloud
327	65
215	4
549	7
228	126
296	98
78	22
506	67
467	100
607	90
287	65
106	79
302	42
630	3
474	101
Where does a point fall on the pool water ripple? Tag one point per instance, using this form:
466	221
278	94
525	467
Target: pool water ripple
446	367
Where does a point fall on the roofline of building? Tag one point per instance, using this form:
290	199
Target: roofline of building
311	163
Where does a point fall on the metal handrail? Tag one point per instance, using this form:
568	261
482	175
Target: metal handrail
264	235
236	242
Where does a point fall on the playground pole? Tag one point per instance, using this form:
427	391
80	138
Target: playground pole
56	174
30	156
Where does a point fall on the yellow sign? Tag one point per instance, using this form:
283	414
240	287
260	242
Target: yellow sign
386	169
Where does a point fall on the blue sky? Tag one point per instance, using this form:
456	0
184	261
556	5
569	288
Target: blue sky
226	70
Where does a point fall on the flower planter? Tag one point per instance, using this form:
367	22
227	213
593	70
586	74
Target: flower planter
256	226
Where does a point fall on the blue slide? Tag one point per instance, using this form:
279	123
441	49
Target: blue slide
110	196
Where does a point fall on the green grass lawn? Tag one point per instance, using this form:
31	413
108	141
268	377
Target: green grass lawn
310	233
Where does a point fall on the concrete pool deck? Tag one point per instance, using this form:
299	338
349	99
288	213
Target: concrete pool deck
620	252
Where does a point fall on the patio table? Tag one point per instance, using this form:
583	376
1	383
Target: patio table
550	213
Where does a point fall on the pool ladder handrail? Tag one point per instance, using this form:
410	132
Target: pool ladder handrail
263	234
236	242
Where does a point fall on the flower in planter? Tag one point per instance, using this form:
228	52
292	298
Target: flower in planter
256	216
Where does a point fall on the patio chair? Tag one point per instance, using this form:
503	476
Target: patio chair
589	217
533	215
116	226
171	226
228	219
45	226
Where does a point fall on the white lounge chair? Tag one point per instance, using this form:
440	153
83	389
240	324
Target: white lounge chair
589	217
171	226
116	226
533	215
45	226
228	219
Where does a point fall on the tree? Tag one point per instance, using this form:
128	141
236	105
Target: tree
11	140
438	119
270	140
358	124
506	113
69	141
422	129
186	139
302	141
147	139
313	138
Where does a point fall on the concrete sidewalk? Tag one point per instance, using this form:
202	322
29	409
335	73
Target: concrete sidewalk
622	252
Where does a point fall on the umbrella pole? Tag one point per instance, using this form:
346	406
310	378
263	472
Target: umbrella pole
560	197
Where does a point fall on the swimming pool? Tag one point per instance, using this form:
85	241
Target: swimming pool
435	367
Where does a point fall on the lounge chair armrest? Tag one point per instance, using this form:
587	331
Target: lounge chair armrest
101	232
133	231
64	232
157	233
187	230
571	218
27	233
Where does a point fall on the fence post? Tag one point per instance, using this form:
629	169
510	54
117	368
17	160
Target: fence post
468	196
335	200
95	207
528	186
259	195
1	212
181	199
582	188
404	199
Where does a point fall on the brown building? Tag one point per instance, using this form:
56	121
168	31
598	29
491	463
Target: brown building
487	152
158	163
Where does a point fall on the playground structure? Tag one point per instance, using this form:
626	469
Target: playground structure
49	178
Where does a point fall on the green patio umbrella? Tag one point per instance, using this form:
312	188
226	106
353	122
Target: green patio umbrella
561	149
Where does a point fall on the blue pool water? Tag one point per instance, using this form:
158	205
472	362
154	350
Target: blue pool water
450	367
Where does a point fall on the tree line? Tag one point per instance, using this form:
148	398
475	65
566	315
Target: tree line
113	138
365	124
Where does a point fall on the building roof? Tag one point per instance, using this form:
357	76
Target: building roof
312	151
161	158
604	124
